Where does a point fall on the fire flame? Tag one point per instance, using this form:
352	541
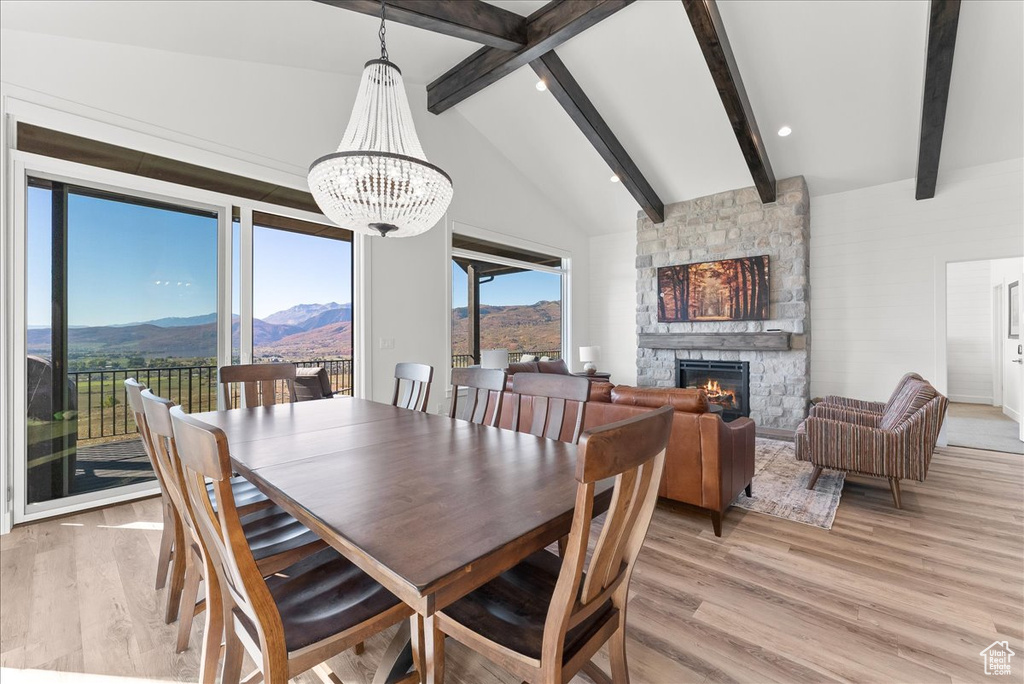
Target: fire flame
718	395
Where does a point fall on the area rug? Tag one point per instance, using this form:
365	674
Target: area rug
780	487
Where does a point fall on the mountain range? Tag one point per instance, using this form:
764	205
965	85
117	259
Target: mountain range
304	331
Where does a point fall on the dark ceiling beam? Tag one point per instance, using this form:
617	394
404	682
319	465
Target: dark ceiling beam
944	16
472	20
546	29
714	43
581	110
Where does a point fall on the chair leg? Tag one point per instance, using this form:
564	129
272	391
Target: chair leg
434	647
166	547
233	650
814	477
894	486
214	634
176	583
716	522
187	610
617	652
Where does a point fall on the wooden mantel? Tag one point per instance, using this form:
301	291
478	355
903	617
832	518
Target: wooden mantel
733	341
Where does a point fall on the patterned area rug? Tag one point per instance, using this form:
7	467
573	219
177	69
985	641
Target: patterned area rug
780	487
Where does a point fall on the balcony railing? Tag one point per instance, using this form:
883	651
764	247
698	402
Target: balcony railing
466	360
103	410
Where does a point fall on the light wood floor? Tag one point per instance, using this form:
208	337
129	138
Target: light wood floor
885	596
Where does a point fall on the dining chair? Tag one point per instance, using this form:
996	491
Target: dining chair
301	615
480	385
544	619
257	384
546	398
412	386
276	538
133	388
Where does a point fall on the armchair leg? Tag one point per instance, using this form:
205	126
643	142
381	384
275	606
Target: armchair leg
894	486
748	491
716	522
814	477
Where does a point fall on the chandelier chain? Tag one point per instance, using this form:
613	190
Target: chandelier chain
383	30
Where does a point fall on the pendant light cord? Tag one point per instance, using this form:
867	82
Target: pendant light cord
383	30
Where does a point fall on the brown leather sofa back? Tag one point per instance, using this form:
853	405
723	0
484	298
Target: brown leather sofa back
688	400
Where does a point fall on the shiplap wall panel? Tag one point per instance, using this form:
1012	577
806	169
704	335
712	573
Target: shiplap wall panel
876	259
969	331
613	304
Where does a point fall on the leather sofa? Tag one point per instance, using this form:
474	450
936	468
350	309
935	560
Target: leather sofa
708	461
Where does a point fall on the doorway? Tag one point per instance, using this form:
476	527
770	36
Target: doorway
983	354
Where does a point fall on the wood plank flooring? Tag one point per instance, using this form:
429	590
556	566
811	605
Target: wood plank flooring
885	596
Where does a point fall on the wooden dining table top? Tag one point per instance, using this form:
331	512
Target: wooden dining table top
429	506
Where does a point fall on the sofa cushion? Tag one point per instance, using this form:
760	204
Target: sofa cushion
910	399
601	392
686	400
521	367
904	381
556	367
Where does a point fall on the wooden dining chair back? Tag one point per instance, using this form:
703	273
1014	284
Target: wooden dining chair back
171	524
412	386
587	605
542	405
257	384
484	390
316	593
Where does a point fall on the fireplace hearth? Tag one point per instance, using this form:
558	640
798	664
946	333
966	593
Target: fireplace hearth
727	384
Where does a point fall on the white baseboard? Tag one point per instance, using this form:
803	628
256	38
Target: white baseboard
970	399
1010	413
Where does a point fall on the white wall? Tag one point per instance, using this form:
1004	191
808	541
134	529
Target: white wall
1002	273
613	304
282	118
878	272
970	357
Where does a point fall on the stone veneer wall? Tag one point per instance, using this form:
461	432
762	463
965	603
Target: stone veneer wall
725	226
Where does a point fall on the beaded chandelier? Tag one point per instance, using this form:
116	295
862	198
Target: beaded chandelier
379	181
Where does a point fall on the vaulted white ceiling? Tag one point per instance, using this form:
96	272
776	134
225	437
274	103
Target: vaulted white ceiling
847	76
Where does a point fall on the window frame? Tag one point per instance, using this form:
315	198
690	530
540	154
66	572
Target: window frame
23	166
513	242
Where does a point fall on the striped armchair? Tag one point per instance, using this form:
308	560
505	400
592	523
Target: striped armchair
896	443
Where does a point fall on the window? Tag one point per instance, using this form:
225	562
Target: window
504	298
117	287
302	296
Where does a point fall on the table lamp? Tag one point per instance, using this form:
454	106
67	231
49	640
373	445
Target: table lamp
494	358
589	356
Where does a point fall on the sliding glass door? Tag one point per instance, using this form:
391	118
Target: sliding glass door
117	286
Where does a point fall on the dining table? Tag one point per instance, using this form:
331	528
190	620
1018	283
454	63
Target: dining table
429	506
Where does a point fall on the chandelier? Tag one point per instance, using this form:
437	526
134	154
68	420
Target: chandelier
379	181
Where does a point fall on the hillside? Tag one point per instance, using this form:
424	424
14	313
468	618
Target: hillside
532	327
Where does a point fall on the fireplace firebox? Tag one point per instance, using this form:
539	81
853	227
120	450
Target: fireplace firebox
727	384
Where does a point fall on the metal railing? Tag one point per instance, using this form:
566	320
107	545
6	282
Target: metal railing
466	360
103	409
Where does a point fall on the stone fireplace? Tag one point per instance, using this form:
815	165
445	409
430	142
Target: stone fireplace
776	351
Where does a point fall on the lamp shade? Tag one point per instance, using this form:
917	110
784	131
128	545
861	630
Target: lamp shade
494	358
590	354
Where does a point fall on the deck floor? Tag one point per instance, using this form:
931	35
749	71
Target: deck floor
884	596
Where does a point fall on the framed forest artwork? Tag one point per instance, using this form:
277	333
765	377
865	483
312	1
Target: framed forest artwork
728	290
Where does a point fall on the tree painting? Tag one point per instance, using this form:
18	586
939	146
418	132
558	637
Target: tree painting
728	290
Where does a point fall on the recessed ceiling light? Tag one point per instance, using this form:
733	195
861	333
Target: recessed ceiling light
784	131
542	86
614	178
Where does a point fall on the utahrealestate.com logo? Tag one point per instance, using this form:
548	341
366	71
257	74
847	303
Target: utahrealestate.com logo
997	658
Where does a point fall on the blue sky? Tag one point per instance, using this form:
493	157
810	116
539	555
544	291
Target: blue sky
528	287
129	263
